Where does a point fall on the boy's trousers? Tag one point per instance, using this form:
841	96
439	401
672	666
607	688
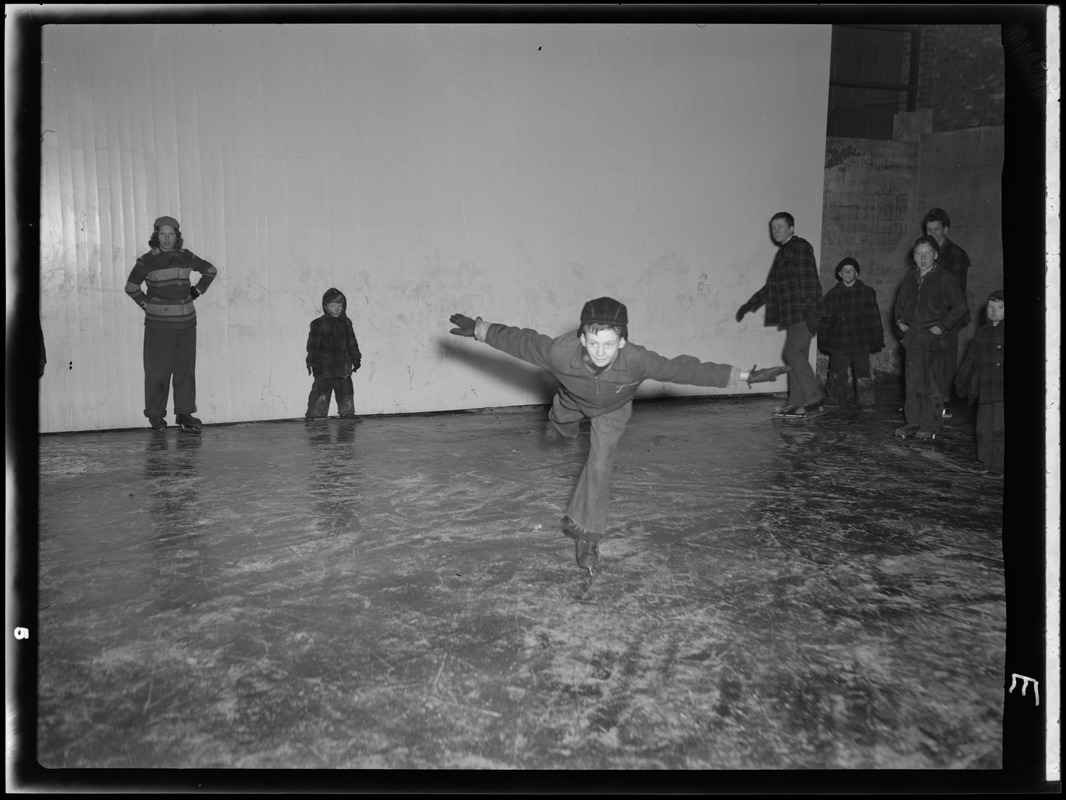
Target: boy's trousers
924	377
990	436
323	387
803	386
588	505
951	362
837	381
167	354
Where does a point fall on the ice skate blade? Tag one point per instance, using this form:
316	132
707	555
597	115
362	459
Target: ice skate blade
801	417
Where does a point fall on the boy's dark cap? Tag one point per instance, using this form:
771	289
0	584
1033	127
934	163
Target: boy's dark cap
173	223
605	310
844	263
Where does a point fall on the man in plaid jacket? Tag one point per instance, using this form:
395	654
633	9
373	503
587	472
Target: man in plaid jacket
851	331
793	299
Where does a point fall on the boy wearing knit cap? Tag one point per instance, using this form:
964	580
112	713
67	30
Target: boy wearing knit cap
599	370
851	330
169	323
332	356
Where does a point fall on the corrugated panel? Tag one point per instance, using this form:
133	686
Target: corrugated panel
507	171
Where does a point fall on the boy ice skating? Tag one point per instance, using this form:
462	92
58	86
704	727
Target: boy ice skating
598	371
332	356
851	330
980	377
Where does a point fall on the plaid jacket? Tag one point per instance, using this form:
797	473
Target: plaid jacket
981	373
792	292
852	321
954	259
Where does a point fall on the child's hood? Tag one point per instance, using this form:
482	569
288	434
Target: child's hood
333	296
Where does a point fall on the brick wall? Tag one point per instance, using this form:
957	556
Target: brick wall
926	65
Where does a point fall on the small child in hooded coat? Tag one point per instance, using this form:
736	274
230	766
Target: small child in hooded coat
980	378
332	356
851	330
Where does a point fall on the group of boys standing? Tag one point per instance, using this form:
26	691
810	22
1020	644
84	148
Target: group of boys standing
930	310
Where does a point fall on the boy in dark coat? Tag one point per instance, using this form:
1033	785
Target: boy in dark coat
598	371
980	378
929	304
851	331
956	261
332	356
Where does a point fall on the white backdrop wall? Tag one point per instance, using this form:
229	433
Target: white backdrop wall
506	171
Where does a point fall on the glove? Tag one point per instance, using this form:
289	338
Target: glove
813	325
193	293
744	309
878	348
765	375
464	326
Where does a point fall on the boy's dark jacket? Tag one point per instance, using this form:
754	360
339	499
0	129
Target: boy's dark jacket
980	375
852	321
564	357
924	303
332	350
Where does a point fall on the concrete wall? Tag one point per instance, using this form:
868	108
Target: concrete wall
869	213
508	171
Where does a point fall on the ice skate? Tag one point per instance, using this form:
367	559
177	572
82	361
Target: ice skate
904	431
189	423
809	411
588	554
159	425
